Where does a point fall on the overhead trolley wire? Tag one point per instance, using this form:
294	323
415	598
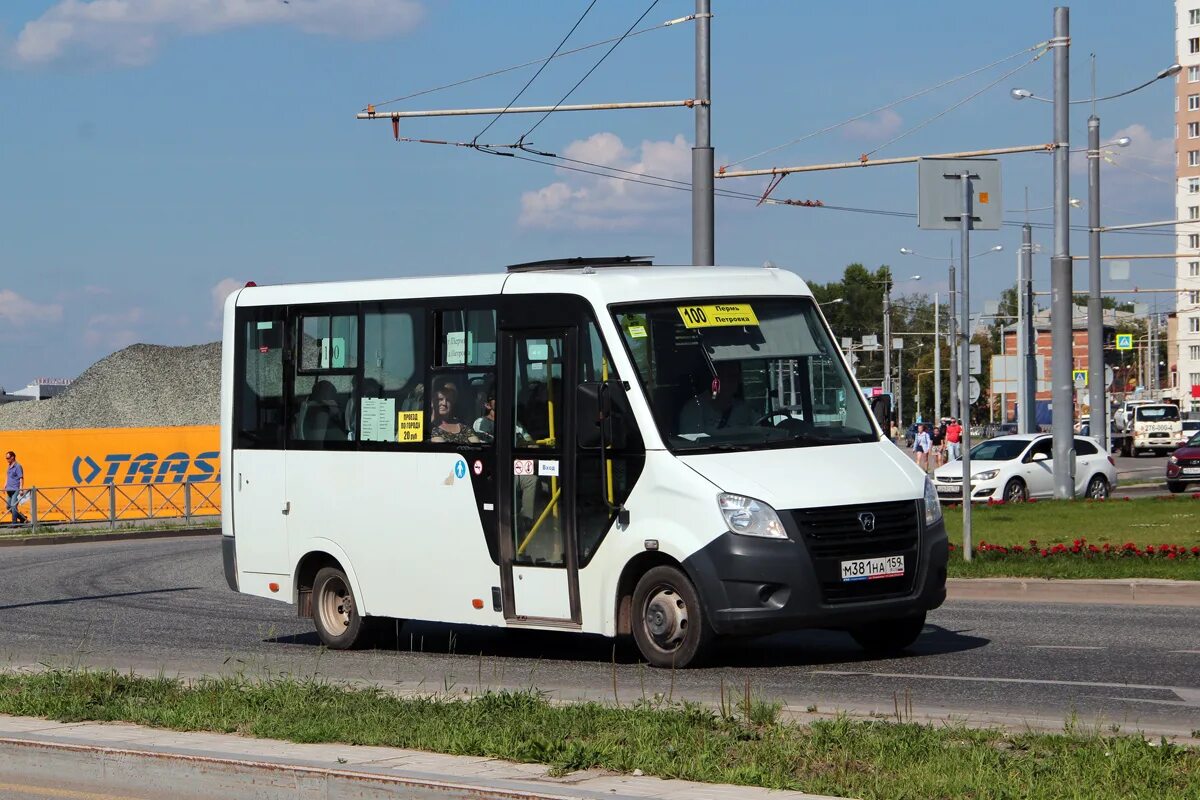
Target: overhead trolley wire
835	126
578	22
514	67
607	53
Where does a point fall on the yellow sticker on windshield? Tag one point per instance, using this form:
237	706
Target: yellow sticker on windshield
719	316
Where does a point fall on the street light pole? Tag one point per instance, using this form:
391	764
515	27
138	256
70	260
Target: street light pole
703	183
887	336
952	334
964	361
1028	344
1097	388
1060	269
937	360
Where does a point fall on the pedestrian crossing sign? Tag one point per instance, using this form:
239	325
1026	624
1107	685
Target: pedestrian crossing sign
1124	341
1079	376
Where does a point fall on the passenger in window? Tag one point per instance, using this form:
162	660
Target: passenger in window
445	426
718	407
321	419
485	426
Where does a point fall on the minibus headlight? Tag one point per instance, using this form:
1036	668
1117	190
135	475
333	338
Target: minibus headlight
933	506
750	517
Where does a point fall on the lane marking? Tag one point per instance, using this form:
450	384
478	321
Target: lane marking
1179	690
1063	647
1186	652
45	791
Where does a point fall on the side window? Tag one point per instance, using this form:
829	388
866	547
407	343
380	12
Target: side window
1045	446
467	338
1085	448
461	404
258	407
389	405
325	367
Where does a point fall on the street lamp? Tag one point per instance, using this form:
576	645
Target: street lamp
887	332
1061	336
833	302
937	351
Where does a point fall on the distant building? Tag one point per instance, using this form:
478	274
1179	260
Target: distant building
39	389
1112	319
1183	354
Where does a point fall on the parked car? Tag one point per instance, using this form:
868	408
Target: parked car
1190	428
1017	468
1183	466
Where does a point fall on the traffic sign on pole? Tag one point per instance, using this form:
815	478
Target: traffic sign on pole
1124	341
1079	376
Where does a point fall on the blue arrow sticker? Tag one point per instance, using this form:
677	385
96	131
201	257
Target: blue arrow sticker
460	469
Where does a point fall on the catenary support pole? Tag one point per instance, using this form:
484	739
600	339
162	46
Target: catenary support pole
703	236
1028	364
1097	389
887	336
1061	311
964	361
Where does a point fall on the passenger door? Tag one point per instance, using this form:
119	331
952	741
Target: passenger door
1039	475
535	436
258	491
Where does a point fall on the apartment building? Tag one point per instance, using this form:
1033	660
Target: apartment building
1184	356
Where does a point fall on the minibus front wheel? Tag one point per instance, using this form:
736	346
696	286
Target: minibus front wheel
669	623
335	610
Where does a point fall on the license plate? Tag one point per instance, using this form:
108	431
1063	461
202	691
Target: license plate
949	489
869	569
1191	470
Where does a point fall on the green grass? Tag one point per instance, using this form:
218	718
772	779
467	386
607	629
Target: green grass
743	743
1149	521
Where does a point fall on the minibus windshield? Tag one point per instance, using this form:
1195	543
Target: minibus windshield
743	374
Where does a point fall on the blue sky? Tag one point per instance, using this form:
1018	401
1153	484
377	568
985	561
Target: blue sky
157	152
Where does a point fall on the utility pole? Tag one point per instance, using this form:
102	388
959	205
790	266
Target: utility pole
1097	389
937	359
703	167
1060	270
1027	375
964	360
952	334
887	335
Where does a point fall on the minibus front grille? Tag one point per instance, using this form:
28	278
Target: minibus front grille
837	533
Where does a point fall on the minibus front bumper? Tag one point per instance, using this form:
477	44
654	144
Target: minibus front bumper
750	585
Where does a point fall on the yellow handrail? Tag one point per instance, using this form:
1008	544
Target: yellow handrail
538	523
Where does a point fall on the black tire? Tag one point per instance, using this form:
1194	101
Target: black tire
1097	488
1175	487
889	636
339	624
1015	491
669	623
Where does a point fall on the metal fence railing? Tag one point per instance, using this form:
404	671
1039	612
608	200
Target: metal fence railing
113	503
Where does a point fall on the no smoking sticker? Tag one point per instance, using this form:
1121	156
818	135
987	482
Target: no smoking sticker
477	467
523	466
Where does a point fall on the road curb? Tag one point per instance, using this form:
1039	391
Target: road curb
114	536
1131	591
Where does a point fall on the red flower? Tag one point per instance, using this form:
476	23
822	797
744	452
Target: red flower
1045	552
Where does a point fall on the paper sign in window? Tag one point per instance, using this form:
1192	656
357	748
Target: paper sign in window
410	426
456	347
333	352
537	351
377	422
727	315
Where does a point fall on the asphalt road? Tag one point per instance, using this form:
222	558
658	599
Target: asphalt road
163	605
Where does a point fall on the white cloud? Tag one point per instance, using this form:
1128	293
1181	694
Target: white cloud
874	127
113	331
589	202
220	292
1138	179
19	311
130	32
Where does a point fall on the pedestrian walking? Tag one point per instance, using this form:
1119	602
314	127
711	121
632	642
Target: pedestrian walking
921	447
937	451
14	484
954	439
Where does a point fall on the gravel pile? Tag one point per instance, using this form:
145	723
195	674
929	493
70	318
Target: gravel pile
142	386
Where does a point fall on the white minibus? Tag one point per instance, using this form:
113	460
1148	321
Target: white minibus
594	445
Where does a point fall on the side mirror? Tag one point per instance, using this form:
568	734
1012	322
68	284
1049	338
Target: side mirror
1040	457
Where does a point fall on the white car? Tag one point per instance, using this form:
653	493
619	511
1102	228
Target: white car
1016	468
1190	428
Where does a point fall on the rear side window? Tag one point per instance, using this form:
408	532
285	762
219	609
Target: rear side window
1085	448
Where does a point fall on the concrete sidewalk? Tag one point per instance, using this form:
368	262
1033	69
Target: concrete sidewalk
119	756
1123	591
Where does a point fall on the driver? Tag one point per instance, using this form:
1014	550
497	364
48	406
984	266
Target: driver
723	408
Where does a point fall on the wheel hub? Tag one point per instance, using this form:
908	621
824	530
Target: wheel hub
666	618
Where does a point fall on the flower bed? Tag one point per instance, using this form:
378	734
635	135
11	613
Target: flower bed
1081	548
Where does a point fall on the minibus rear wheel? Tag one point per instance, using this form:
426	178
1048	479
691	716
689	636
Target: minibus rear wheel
335	610
887	637
669	624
